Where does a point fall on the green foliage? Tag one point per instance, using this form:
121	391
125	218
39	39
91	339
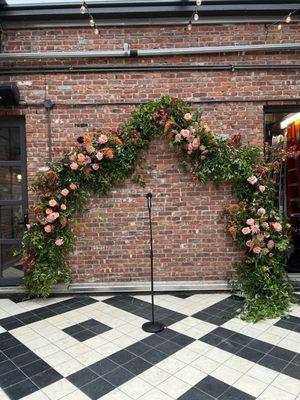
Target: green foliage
104	160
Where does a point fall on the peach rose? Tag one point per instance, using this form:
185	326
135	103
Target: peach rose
196	143
250	221
249	243
80	157
65	192
185	133
28	226
48	211
63	207
95	167
187	116
277	227
246	230
102	139
265	225
52	203
72	157
261	188
177	137
255	228
99	155
256	250
261	211
252	180
72	186
270	244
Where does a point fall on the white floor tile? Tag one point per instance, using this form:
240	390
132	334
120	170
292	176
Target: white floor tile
263	374
250	385
190	375
171	365
174	387
155	394
226	374
287	384
135	388
274	393
59	389
77	395
205	364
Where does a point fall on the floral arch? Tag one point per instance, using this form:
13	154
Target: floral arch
102	160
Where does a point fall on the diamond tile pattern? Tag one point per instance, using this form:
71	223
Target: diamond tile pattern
93	347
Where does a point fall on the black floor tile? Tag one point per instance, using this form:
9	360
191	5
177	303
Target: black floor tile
223	332
195	394
211	339
167	334
138	348
272	362
35	368
6	366
11	378
137	365
2	357
83	335
16	351
240	338
25	359
212	386
8	344
182	295
21	389
169	347
153	340
296	360
121	357
82	377
282	353
98	388
182	340
154	356
235	394
292	370
118	376
102	367
250	354
230	346
46	378
74	329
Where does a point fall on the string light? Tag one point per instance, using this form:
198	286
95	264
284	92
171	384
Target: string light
279	24
83	8
196	16
96	30
198	3
190	26
288	18
279	27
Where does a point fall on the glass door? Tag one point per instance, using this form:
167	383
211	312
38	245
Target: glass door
13	198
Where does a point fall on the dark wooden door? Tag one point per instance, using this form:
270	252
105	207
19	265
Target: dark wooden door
13	198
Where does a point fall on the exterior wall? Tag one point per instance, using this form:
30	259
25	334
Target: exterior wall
190	237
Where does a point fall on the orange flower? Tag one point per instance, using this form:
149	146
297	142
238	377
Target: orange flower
87	139
65	192
48	211
73	186
109	153
63	207
233	231
118	141
52	203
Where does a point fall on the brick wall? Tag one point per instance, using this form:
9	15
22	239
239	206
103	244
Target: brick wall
189	234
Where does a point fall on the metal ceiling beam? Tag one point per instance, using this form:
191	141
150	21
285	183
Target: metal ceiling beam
151	52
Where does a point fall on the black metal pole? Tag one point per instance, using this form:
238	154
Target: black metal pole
152	327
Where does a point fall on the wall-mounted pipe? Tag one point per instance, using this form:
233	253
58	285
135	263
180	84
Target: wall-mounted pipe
152	52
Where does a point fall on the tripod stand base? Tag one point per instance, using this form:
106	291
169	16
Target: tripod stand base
153	327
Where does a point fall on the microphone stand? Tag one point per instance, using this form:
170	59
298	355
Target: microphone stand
153	326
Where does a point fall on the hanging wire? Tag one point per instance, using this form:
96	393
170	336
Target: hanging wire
85	10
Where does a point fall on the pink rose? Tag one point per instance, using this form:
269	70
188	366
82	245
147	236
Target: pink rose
185	133
261	188
265	251
261	211
65	192
249	243
202	157
87	159
59	242
28	226
102	139
95	167
63	207
74	166
48	211
187	116
202	147
255	228
196	143
271	254
266	235
99	155
252	180
256	250
246	230
265	225
190	148
270	244
72	157
250	221
52	203
47	228
177	137
260	237
277	227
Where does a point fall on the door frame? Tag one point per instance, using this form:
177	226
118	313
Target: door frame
14	121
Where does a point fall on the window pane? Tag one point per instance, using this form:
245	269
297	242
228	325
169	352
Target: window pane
9	218
9	144
10	264
10	183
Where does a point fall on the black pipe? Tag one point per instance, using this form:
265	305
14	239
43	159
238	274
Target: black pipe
145	68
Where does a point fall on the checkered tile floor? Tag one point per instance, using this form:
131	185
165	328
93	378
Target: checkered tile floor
82	348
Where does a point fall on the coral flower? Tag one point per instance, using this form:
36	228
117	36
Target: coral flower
95	167
65	192
256	250
102	139
48	211
252	180
250	221
196	143
246	230
187	116
59	242
52	203
109	153
261	188
72	186
47	228
270	244
99	155
261	211
277	227
74	166
63	207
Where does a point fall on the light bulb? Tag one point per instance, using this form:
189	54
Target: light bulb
189	27
279	27
288	19
196	17
198	2
92	22
83	9
96	31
